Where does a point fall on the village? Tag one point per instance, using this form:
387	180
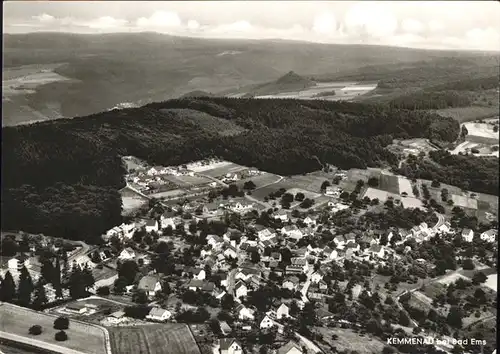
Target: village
246	254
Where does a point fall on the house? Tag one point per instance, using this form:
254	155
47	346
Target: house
159	314
224	328
317	276
445	228
240	290
230	251
350	238
211	208
150	284
76	308
214	241
467	235
309	222
275	256
329	253
290	348
300	262
282	311
19	262
167	219
127	254
266	322
116	317
376	250
208	287
292	231
229	346
265	234
353	246
241	207
291	283
489	236
151	225
339	241
281	215
199	274
194	284
244	313
333	191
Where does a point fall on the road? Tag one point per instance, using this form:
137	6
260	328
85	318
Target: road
213	179
306	286
83	250
52	348
441	221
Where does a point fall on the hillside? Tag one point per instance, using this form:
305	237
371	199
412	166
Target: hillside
140	68
74	192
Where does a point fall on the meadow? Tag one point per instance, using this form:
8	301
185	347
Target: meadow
83	337
153	339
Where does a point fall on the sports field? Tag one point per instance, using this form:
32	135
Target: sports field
82	337
153	339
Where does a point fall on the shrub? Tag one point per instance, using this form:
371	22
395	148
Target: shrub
61	336
35	330
103	291
61	323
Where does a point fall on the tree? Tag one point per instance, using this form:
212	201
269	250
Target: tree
454	318
249	185
299	196
227	302
61	323
374	201
435	183
128	270
139	296
103	291
87	277
9	247
404	320
324	185
373	182
468	264
56	280
119	285
7	288
255	257
25	287
76	283
478	278
40	297
61	336
35	330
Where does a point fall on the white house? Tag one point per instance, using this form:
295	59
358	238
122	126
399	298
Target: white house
376	250
151	225
329	253
199	274
309	221
467	235
290	348
265	234
266	322
229	346
150	284
317	276
291	283
489	236
244	313
167	219
127	254
445	227
281	215
159	314
19	262
230	251
282	311
240	290
292	231
333	191
240	208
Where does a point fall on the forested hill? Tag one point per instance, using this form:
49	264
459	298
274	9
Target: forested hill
62	177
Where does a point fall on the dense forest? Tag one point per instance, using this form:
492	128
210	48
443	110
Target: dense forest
478	174
432	100
474	84
62	177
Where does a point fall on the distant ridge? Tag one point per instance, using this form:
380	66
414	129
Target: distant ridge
197	93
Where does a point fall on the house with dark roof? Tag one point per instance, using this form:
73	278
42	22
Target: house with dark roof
151	225
229	346
150	284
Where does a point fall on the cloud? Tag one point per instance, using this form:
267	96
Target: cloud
410	25
370	19
160	19
325	24
484	38
43	18
193	25
107	22
435	26
238	27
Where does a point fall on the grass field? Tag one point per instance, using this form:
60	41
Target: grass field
464	201
466	114
309	182
260	180
404	185
82	337
381	195
389	183
224	169
187	181
350	341
153	339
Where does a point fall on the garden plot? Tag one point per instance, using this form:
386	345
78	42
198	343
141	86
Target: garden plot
464	201
405	186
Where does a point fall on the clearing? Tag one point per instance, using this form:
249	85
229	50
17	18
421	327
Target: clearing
466	114
83	337
464	201
349	341
153	339
381	195
389	183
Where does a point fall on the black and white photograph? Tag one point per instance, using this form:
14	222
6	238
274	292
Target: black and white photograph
249	177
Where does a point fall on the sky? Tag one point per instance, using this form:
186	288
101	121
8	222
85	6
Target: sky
468	25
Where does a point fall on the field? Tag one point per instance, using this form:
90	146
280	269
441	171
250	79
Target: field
168	194
226	168
481	129
409	202
466	114
451	278
389	183
310	182
492	282
381	195
82	337
349	341
404	185
187	181
131	200
464	201
153	339
262	180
